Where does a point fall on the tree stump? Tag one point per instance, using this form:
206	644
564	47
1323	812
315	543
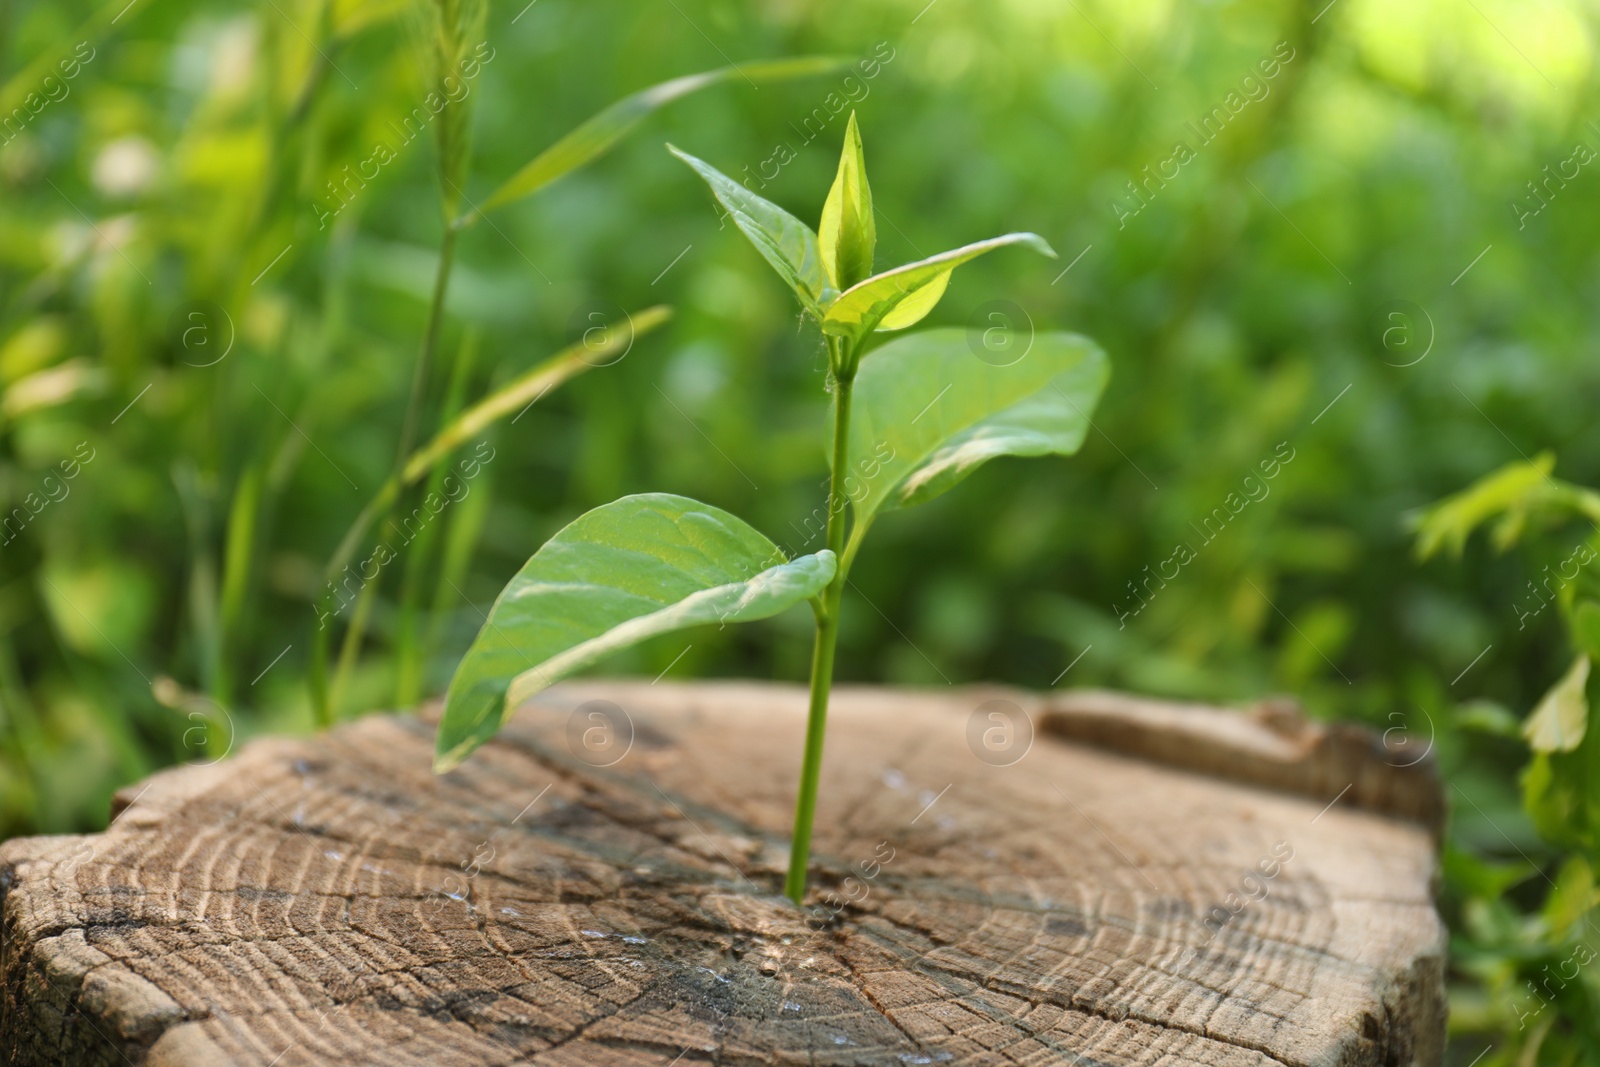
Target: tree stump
1139	882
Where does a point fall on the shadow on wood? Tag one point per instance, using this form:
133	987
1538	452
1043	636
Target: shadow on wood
1139	883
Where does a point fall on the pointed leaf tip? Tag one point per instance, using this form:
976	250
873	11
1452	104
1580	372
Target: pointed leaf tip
943	413
847	233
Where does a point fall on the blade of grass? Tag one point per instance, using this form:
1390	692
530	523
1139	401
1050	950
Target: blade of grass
453	26
512	397
598	134
419	378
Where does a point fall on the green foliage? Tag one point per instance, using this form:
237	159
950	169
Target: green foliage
926	413
1512	494
1586	628
1560	783
620	574
452	27
892	300
1558	723
588	592
788	244
452	31
587	353
515	396
848	231
903	297
596	135
1390	146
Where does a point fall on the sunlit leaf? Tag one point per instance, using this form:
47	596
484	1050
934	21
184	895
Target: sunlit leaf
629	570
915	307
927	412
848	233
783	240
867	305
1558	723
1448	523
595	136
36	345
100	608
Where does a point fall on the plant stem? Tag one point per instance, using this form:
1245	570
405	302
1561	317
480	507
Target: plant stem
430	344
351	650
409	655
323	704
317	677
823	651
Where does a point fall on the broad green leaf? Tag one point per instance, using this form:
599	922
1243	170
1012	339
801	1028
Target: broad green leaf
629	570
783	240
866	305
926	412
847	232
598	134
1558	723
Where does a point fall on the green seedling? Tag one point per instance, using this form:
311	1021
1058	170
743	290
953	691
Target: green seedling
453	33
911	418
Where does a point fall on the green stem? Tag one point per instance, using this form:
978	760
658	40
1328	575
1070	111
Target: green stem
321	710
430	344
351	650
823	651
324	705
410	660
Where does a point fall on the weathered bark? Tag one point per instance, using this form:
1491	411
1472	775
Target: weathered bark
328	900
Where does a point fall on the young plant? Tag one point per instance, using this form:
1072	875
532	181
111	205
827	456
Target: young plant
911	418
454	39
1523	958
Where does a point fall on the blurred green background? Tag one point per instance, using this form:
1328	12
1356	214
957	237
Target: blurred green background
1352	270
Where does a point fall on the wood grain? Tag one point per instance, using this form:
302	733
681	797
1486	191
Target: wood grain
329	900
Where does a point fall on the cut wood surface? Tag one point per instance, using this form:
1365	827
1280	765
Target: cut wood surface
1134	883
